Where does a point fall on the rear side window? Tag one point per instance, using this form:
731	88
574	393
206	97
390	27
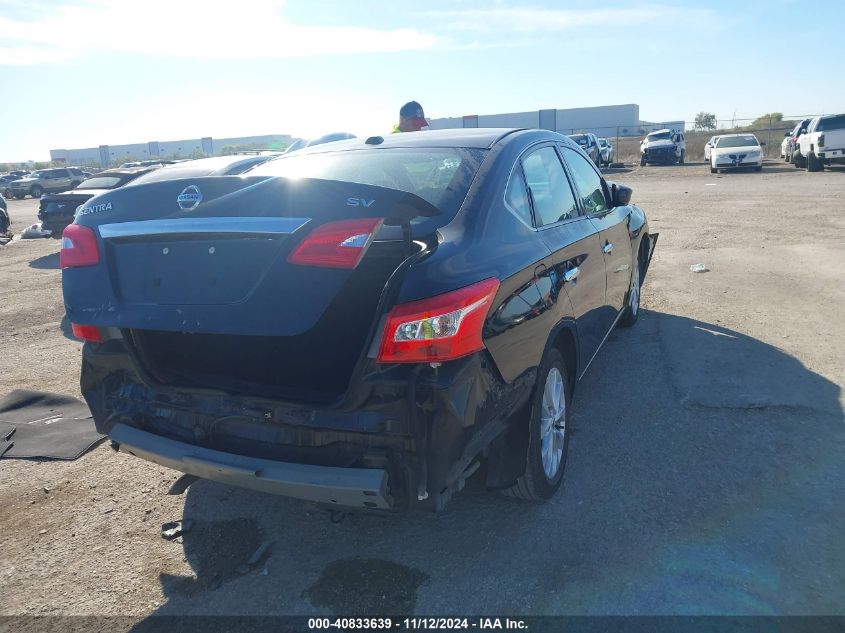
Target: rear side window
516	196
833	123
587	181
549	187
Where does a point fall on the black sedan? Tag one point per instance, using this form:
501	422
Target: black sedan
56	210
358	324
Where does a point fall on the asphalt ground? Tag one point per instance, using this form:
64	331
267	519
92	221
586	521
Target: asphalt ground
705	472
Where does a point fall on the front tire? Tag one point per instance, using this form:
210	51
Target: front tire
548	432
632	309
36	191
642	161
681	158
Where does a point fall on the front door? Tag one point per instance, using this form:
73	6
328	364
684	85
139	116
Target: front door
612	225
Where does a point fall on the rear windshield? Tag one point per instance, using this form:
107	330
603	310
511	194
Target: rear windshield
101	182
441	175
737	141
833	123
581	139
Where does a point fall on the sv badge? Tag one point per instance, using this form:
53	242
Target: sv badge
359	202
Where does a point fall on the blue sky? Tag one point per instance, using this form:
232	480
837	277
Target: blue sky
81	73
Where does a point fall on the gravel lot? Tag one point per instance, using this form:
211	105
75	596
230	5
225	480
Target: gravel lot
705	472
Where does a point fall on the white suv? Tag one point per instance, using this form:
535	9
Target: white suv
824	141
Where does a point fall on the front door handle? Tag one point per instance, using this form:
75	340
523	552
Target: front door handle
607	248
571	274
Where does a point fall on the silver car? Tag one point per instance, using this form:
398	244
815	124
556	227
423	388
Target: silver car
608	154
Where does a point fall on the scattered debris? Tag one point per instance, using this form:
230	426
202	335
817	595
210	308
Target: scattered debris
34	231
46	489
174	529
43	532
699	268
257	555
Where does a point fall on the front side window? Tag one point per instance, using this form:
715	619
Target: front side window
548	187
587	181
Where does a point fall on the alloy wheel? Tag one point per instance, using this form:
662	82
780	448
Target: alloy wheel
553	422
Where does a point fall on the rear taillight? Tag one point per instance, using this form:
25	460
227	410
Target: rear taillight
441	328
90	333
821	140
79	247
339	244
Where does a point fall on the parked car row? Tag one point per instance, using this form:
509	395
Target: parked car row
817	142
57	211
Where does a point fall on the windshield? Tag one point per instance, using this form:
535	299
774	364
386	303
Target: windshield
737	141
441	176
659	136
101	182
603	142
35	174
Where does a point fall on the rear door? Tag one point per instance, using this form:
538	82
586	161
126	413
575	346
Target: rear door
612	224
575	267
57	180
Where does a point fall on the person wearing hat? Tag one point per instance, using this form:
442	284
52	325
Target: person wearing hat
411	118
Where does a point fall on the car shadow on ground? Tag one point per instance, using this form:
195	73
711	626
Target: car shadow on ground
702	479
46	262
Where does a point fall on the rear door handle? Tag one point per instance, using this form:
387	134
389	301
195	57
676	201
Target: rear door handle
607	248
571	274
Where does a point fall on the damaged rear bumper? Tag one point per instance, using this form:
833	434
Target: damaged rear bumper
351	487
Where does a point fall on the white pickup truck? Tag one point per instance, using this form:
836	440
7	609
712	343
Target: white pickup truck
824	141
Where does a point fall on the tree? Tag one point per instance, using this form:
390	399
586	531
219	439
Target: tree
705	121
763	121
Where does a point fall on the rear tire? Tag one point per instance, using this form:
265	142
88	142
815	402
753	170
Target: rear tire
681	158
36	191
642	161
548	432
813	163
760	168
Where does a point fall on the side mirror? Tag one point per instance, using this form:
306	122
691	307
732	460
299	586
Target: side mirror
763	144
621	195
803	130
787	133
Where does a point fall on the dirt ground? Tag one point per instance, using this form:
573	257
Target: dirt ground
705	472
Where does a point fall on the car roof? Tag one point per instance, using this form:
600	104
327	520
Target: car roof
125	171
481	138
214	166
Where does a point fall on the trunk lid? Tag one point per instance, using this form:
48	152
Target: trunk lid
197	271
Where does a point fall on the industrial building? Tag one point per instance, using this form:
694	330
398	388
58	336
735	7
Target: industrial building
106	155
614	120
